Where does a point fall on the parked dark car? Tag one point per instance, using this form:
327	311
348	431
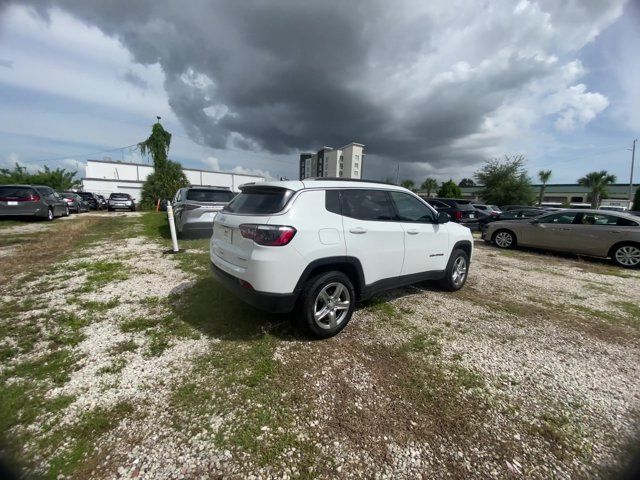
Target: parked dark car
32	201
103	202
519	214
506	208
195	207
460	211
121	201
76	203
92	199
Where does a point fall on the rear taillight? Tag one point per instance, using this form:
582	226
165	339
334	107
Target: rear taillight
457	215
268	235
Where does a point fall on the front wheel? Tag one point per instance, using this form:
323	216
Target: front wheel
66	211
327	304
504	239
627	255
456	272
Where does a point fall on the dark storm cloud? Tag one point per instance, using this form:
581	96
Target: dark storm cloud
411	80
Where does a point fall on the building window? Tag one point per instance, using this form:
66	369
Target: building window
340	173
355	165
341	157
355	172
577	199
357	157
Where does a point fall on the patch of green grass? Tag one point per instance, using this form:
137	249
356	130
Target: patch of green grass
422	343
632	309
379	306
116	366
102	273
159	342
95	306
123	347
139	324
83	437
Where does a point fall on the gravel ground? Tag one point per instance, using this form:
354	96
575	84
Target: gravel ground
531	370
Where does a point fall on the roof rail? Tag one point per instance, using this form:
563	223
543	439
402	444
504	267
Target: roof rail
342	179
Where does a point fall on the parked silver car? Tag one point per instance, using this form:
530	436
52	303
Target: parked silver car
587	232
195	207
32	201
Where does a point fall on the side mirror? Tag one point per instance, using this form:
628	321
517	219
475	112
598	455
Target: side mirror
443	217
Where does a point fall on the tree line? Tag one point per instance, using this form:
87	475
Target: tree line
506	182
58	179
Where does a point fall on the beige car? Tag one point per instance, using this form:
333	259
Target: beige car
587	232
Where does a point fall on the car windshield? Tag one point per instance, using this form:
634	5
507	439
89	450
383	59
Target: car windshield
208	195
119	196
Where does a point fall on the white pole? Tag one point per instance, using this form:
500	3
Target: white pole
172	228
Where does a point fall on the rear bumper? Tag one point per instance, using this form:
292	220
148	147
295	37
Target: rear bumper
269	302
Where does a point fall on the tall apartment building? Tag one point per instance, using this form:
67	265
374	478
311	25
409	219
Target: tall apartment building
345	162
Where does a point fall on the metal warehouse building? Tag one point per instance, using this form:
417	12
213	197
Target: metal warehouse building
107	176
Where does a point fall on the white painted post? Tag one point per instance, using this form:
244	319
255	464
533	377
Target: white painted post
172	228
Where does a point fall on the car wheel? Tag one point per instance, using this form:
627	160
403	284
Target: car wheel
327	304
66	211
456	272
504	239
626	255
50	215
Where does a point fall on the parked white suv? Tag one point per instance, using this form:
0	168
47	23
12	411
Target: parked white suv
321	245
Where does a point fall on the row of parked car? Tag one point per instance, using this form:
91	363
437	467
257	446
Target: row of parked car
44	202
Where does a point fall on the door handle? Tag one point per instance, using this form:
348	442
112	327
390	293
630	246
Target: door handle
413	231
358	230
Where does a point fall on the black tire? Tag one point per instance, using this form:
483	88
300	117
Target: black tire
626	255
311	295
50	215
109	209
66	211
504	239
454	278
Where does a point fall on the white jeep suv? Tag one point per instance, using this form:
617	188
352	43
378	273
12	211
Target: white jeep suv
321	245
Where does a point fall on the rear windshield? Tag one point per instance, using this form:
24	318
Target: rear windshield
15	192
205	195
259	200
85	194
464	204
121	196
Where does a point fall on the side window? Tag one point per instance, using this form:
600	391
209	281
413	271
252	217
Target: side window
366	204
178	195
530	214
410	209
602	219
332	201
559	218
507	215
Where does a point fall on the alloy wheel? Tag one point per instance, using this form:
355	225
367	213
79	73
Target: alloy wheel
503	239
459	271
331	306
628	255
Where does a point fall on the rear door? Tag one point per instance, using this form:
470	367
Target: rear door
371	234
254	205
426	243
15	200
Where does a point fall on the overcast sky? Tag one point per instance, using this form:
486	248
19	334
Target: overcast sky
437	86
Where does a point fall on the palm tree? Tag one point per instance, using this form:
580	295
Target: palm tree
597	182
407	184
544	176
429	185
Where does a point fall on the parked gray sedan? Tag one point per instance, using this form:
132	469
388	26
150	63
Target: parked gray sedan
31	200
195	207
587	232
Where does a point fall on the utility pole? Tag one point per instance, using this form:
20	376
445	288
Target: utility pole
398	174
633	155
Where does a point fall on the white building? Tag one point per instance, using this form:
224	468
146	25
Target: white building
106	176
345	162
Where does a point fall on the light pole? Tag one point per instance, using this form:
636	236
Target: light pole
633	155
